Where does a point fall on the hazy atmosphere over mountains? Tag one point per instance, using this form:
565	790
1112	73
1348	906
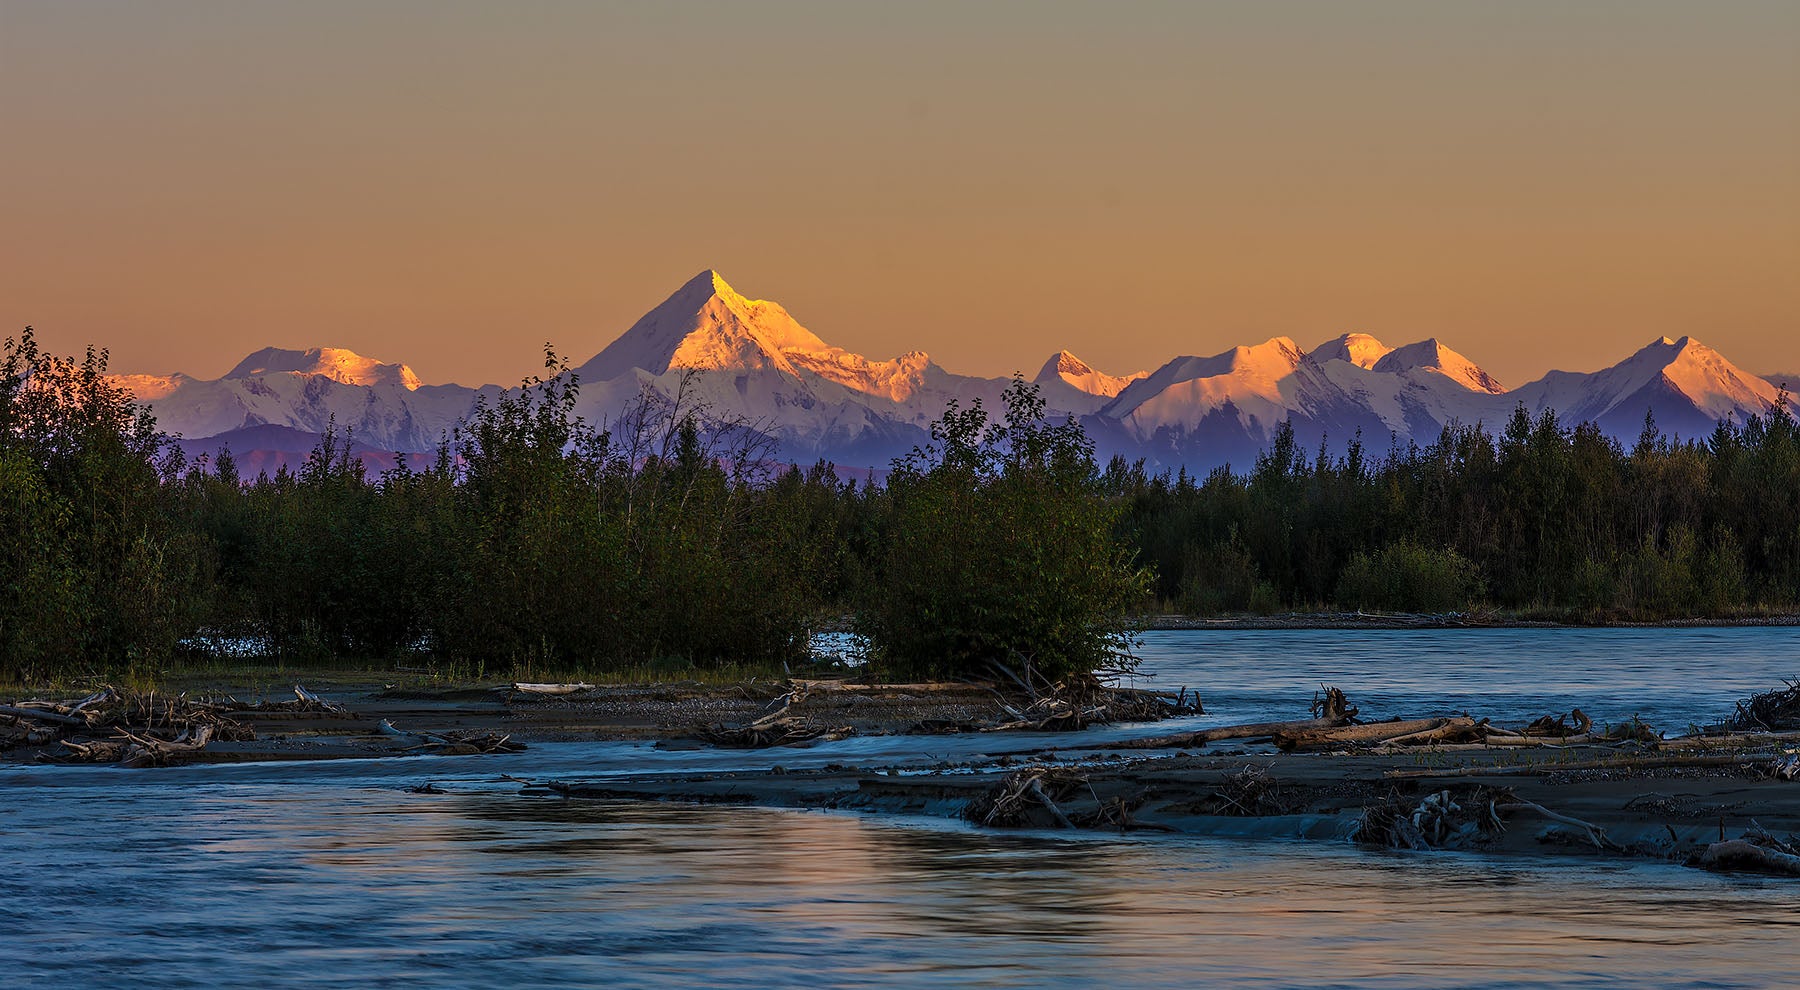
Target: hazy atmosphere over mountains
749	359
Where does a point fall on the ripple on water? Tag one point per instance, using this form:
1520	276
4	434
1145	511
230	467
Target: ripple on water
329	874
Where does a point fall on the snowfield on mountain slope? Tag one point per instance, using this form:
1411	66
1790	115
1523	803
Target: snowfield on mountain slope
750	359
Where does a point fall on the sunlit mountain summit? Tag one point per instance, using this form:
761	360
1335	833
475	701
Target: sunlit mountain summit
750	360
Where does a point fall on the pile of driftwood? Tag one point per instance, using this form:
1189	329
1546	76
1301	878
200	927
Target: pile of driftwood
1081	700
468	742
1465	817
1447	732
115	725
1771	711
1023	796
1334	726
1072	703
1248	793
1034	796
303	702
776	727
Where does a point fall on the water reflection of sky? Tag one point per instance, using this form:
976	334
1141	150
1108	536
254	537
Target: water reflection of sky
1671	677
300	883
330	874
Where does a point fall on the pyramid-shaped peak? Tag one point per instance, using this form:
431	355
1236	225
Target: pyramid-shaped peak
1070	370
708	283
1065	363
1360	349
1433	355
335	363
706	325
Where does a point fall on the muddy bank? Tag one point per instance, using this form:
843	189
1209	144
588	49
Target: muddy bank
1581	801
1726	798
363	720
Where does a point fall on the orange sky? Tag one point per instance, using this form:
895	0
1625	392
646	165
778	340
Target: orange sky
449	184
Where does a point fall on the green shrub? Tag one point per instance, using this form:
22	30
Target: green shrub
996	551
1410	577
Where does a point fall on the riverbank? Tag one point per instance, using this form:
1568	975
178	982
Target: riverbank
1725	797
1580	801
333	718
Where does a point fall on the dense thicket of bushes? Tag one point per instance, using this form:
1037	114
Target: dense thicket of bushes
95	564
1542	517
993	547
535	540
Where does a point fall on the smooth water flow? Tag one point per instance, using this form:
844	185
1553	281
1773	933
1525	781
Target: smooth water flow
331	874
1670	678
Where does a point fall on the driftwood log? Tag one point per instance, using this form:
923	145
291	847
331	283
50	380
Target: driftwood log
1331	710
1353	735
148	751
551	689
455	743
1742	854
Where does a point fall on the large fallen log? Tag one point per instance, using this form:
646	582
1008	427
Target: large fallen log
524	687
1551	742
1249	730
1742	854
41	715
1355	735
1453	730
1330	710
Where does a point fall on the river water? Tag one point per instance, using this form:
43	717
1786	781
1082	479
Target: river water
333	875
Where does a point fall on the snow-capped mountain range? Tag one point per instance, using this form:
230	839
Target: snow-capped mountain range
750	359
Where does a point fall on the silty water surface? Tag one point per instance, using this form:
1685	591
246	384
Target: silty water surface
330	874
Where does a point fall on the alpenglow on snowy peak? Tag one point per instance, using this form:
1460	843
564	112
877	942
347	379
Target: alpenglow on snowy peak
706	325
1083	377
335	363
750	360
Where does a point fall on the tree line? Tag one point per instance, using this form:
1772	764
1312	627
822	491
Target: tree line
1545	518
535	541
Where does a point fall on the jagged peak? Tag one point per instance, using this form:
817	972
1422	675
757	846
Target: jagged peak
1065	363
336	363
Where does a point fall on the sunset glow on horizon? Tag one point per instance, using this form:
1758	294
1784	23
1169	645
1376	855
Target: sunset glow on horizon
449	185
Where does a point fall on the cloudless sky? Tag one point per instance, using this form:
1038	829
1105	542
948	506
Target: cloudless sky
1540	184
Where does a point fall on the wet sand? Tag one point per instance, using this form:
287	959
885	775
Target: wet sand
1670	813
